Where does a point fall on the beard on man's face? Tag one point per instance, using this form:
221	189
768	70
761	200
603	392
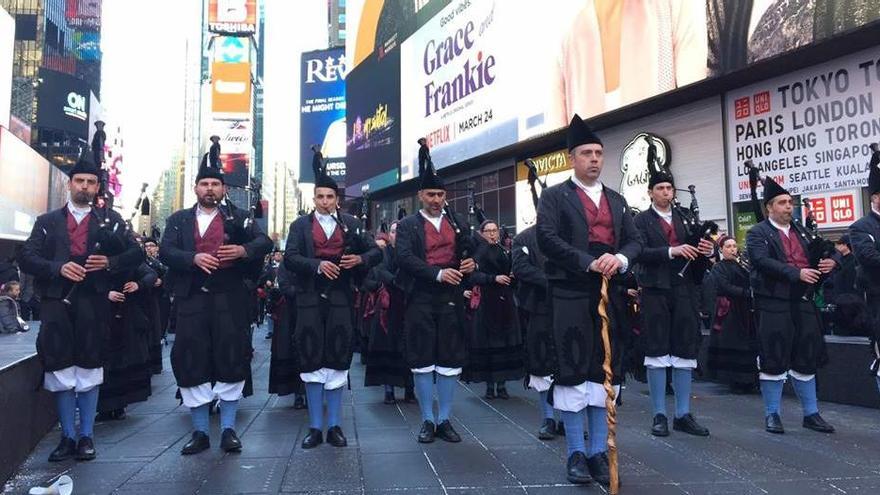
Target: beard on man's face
82	197
208	200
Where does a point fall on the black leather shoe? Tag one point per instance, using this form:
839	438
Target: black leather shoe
335	437
119	414
389	398
313	439
547	430
688	424
598	466
502	393
560	429
426	434
196	444
409	396
816	423
268	335
229	441
65	450
490	393
661	426
299	402
577	470
446	432
773	424
85	449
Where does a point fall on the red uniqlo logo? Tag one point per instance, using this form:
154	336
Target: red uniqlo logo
817	207
762	102
741	108
843	208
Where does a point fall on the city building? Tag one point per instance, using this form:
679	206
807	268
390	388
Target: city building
336	23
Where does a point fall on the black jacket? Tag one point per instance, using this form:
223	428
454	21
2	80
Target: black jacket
528	268
771	275
410	252
9	316
300	260
563	232
843	281
865	238
178	250
48	249
654	268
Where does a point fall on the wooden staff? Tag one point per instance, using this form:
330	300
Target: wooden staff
611	396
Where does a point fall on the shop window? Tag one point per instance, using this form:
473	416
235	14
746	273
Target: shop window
506	176
26	27
490	181
490	205
507	207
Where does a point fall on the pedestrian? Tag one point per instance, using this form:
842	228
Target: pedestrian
158	304
790	341
70	253
10	314
671	329
586	232
434	255
284	378
210	249
325	252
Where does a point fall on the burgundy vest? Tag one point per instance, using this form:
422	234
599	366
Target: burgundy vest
78	234
794	251
669	230
440	246
327	249
213	238
600	220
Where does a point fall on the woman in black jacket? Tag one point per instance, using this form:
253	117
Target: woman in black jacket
10	315
732	344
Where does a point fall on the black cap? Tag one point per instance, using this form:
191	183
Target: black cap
206	171
874	173
844	239
428	178
85	165
657	174
320	169
150	239
772	189
580	133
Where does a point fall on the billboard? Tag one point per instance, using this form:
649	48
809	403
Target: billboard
63	103
235	135
232	17
322	112
476	76
24	186
87	45
232	50
83	13
810	130
231	89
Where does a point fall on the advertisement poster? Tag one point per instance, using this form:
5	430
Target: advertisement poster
232	17
373	123
64	103
231	90
809	130
553	168
322	112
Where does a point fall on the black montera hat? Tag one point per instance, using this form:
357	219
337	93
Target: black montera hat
772	189
428	178
206	171
874	172
320	169
580	133
85	165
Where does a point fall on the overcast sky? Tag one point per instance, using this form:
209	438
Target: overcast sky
142	85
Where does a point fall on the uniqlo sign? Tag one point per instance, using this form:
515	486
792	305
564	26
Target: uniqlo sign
836	210
761	102
741	108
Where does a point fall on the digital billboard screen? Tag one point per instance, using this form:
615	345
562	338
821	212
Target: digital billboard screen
322	112
63	103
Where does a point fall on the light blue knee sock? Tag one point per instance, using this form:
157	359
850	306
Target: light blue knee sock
657	388
315	399
445	391
806	392
66	403
389	389
771	391
574	431
681	383
87	403
546	409
199	417
334	406
424	388
228	409
598	424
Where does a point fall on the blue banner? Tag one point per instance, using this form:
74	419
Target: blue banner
322	112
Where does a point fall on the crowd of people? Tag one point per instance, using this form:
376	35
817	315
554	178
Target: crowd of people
428	301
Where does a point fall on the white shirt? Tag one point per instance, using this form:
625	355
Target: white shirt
327	223
594	192
77	212
784	229
875	210
435	221
204	219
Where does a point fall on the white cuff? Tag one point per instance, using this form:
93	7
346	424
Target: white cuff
439	277
540	383
800	376
670	254
624	261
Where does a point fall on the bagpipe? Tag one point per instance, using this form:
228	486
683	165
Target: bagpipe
818	248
